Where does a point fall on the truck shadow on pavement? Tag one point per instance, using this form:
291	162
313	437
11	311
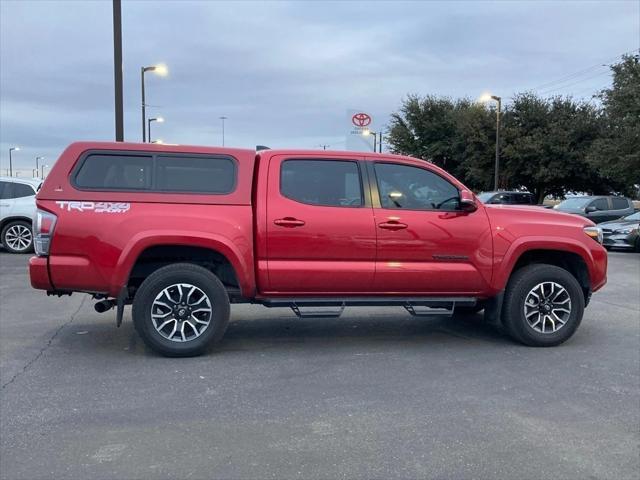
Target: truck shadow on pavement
290	333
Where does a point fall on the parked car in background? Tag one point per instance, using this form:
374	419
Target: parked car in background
622	233
597	208
508	198
17	210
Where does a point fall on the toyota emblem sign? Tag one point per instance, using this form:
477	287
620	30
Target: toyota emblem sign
361	120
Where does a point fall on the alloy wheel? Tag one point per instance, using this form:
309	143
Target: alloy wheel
181	312
547	307
18	237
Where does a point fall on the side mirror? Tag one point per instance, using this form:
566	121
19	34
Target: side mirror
590	209
467	202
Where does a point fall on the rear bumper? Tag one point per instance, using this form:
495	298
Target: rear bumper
39	273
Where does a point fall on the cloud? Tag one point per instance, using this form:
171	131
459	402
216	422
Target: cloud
283	72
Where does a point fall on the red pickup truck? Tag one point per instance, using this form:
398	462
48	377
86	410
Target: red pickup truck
181	232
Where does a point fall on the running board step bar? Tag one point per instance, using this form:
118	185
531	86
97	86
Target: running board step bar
334	307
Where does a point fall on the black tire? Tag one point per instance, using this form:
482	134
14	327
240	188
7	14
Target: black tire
10	229
524	281
181	273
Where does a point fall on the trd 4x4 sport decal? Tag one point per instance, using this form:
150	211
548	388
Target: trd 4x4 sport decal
97	207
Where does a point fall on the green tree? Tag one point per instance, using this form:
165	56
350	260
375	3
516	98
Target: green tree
616	155
545	146
455	135
424	128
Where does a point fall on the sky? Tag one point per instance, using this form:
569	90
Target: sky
285	72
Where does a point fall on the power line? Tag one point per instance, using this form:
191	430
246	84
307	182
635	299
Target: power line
571	76
562	87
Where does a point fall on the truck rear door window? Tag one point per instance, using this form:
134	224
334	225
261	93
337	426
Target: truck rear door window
331	183
115	172
195	174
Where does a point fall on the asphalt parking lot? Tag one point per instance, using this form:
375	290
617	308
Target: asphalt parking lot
374	394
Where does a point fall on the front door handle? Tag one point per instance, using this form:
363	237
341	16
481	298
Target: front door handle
392	225
289	222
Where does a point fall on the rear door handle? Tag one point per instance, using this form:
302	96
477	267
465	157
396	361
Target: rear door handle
289	222
392	225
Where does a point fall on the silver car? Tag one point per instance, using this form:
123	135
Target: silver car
17	209
597	208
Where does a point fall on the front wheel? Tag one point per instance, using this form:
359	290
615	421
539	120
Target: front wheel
181	310
543	305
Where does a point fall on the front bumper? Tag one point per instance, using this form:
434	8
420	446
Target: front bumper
620	240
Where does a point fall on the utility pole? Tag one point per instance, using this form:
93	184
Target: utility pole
117	69
223	118
495	180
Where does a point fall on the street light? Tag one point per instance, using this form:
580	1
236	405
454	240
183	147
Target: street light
366	133
37	168
223	118
485	98
160	69
42	171
17	149
157	119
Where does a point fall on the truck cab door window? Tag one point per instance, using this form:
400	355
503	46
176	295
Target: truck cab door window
413	188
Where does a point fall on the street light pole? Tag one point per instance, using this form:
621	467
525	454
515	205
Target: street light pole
223	118
37	168
375	138
160	70
144	113
42	171
117	70
485	98
11	159
495	178
159	120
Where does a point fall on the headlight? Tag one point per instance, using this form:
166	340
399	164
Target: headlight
595	233
627	230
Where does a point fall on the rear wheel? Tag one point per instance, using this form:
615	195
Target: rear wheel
17	237
543	305
181	310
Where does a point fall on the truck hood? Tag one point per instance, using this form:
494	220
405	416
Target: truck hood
536	214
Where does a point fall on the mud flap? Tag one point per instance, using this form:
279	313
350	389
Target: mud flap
493	308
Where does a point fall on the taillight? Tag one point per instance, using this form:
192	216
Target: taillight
43	225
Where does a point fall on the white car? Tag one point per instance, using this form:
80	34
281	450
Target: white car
17	209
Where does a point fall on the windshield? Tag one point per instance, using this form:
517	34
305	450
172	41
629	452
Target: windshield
633	216
571	203
486	196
